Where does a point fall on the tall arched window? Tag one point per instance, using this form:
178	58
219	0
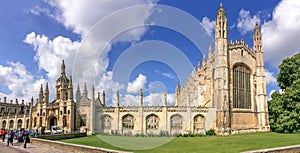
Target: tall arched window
20	124
106	122
176	121
4	124
152	122
127	121
241	87
11	124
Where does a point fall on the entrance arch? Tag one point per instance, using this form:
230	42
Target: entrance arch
53	121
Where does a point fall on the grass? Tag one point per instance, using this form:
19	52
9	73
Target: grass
213	144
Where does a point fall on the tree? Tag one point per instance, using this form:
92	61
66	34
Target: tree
284	108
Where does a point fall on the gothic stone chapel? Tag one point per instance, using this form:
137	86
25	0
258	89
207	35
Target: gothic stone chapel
226	93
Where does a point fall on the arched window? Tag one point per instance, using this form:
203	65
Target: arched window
2	109
127	121
27	123
199	122
34	122
20	124
176	121
11	124
4	125
241	87
106	122
152	122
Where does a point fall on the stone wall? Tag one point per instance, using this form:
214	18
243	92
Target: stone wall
74	147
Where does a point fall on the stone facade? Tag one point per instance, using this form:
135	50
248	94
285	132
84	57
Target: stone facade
227	92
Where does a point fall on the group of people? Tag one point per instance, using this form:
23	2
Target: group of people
23	136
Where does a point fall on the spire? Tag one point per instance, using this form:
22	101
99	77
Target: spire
47	89
70	82
41	89
103	98
85	92
141	97
209	51
41	94
93	92
257	38
203	60
63	68
221	24
46	100
78	90
117	98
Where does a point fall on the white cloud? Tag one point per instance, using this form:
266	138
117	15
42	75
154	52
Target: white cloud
82	59
130	100
270	94
81	15
137	84
281	34
270	78
50	53
246	23
168	75
208	25
20	83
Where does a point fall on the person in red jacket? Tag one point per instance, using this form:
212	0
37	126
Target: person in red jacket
3	133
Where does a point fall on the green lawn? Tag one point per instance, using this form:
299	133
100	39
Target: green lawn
233	143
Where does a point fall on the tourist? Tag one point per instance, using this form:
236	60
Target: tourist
42	132
3	133
10	138
36	132
25	137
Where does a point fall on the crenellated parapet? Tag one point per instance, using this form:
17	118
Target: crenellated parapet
240	45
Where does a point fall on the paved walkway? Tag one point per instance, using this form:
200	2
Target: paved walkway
31	148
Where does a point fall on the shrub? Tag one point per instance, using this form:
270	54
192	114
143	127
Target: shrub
210	132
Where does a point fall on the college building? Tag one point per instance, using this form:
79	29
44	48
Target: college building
225	92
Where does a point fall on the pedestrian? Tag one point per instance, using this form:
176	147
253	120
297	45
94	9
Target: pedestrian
42	132
10	138
3	134
25	137
36	132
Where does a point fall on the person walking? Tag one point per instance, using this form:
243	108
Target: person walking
10	138
25	137
3	134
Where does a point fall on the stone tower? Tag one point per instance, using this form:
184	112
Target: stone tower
261	96
221	73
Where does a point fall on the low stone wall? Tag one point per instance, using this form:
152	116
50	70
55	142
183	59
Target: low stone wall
287	149
74	147
64	136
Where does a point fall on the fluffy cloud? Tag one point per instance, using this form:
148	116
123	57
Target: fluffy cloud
137	84
270	78
281	34
208	25
50	53
83	14
83	58
246	22
20	83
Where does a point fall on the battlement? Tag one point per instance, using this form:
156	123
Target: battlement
240	44
11	102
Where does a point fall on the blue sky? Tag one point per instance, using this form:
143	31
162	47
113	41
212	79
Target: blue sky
36	36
